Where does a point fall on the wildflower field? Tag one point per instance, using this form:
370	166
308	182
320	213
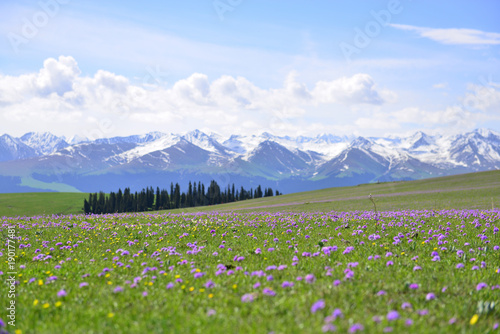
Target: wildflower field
345	272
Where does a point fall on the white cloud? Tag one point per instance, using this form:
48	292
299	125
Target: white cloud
457	36
441	85
484	97
357	89
59	93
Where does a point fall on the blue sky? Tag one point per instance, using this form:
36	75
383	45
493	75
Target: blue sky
106	68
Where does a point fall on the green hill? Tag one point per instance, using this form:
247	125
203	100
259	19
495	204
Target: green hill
473	191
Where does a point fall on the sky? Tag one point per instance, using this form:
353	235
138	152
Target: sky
373	68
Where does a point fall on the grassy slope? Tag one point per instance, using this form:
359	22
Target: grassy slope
31	204
475	190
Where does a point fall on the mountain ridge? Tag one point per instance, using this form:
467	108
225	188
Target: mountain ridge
295	163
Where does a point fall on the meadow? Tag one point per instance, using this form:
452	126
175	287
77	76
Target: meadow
405	271
465	191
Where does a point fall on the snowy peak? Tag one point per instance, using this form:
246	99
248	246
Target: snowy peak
308	159
13	149
205	142
43	143
419	139
273	158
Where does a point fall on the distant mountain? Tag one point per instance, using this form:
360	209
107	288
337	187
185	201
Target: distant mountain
13	149
37	161
43	143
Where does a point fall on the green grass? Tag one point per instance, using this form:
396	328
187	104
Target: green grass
164	244
473	191
32	204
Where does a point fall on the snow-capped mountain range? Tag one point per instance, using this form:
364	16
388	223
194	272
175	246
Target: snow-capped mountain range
42	161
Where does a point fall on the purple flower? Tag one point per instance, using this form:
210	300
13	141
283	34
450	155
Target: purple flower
377	319
481	286
387	329
408	322
405	305
392	315
118	289
423	312
211	312
61	293
170	285
287	284
381	293
247	298
328	328
268	292
256	285
258	251
319	305
2	324
198	275
430	296
460	265
310	278
84	284
389	263
336	282
414	286
356	327
337	313
209	284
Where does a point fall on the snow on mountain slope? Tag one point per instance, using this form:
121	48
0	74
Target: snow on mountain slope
205	142
43	143
12	149
419	155
146	147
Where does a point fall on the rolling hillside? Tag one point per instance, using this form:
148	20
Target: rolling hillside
475	190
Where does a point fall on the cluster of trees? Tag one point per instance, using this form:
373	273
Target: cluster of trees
148	199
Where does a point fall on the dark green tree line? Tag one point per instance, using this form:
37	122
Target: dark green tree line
148	199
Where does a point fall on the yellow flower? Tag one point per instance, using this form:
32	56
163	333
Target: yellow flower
18	331
235	286
202	290
58	304
474	319
46	305
211	295
191	289
35	302
40	282
111	315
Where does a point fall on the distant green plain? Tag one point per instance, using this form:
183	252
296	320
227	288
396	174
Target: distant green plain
466	191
